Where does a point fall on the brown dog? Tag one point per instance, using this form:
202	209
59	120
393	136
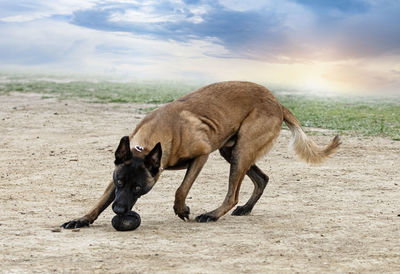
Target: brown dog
240	119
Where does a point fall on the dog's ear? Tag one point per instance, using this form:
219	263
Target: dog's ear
123	152
152	160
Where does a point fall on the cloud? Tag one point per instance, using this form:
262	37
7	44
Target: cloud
40	45
295	31
244	33
26	10
274	31
311	41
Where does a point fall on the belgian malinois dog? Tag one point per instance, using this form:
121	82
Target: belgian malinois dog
240	119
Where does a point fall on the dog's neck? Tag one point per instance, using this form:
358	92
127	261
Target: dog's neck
141	146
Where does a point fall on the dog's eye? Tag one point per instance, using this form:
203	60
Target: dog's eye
137	188
120	183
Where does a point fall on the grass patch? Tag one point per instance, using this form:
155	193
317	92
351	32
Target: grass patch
361	116
107	92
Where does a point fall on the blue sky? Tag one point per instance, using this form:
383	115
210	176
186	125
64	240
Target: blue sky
340	45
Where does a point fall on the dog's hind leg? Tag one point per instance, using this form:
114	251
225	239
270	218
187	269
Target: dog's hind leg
259	179
238	169
193	170
256	136
105	200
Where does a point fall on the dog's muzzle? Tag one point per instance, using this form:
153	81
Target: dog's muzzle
122	208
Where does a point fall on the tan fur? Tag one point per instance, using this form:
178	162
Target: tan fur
304	146
241	115
240	119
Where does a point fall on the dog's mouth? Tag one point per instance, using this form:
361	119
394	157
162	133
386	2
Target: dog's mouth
122	208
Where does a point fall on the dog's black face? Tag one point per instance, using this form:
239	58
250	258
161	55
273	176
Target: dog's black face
133	176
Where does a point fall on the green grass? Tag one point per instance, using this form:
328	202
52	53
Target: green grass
107	92
361	116
368	117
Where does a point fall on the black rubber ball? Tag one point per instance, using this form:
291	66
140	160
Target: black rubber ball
127	222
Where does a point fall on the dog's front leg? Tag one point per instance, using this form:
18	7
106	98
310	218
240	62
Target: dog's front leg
194	168
105	200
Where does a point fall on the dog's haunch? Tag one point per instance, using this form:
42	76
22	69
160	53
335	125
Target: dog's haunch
127	222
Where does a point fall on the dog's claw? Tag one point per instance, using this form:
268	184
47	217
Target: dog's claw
77	223
205	218
183	215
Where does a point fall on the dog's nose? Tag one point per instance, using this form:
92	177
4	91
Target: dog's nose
118	209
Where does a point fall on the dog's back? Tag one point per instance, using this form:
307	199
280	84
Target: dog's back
204	120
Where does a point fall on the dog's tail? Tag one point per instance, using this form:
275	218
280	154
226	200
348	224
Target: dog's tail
303	145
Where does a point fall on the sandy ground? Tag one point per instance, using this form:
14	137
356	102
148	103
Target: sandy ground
57	157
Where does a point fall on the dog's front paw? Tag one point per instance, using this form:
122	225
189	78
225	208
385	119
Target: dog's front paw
76	223
205	218
183	214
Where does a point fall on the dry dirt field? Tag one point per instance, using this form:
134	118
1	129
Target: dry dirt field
57	157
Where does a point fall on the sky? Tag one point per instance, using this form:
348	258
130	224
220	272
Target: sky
316	45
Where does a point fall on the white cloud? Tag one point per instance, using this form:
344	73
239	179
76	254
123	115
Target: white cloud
44	9
22	18
142	16
51	45
148	12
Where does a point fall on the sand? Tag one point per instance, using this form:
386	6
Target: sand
57	158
